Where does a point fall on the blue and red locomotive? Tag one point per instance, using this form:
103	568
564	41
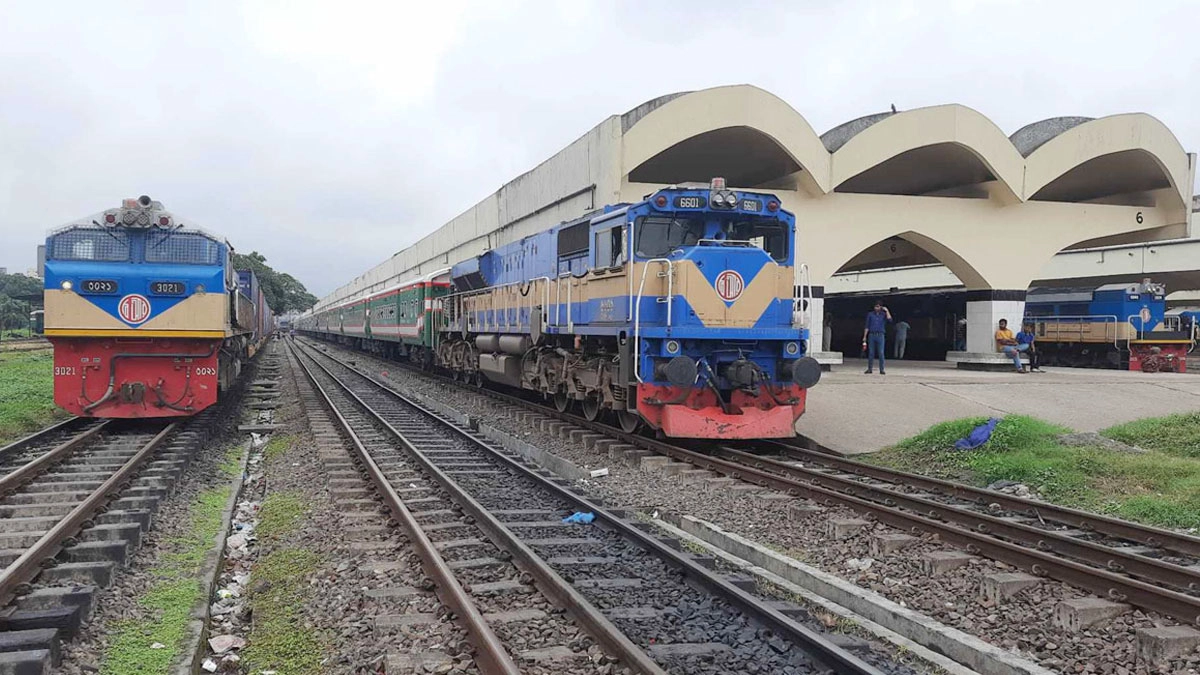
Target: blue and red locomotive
676	312
146	315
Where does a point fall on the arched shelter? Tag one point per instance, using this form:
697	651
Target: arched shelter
938	184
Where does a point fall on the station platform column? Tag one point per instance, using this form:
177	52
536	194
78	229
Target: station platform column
816	332
985	308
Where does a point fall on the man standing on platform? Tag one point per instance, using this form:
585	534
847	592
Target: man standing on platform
902	327
873	332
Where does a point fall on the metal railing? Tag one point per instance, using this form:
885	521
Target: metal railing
1083	321
637	308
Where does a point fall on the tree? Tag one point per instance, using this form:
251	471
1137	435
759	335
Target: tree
18	293
284	292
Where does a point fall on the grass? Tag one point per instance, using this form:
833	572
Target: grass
1177	435
279	640
1160	487
168	603
278	446
280	514
26	393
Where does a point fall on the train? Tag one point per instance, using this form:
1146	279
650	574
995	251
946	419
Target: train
1124	326
146	314
680	313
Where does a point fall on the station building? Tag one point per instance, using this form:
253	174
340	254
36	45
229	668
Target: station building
939	191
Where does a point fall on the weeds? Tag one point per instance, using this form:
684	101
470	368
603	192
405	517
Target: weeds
279	640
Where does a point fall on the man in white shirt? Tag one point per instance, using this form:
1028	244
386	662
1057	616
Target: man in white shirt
901	338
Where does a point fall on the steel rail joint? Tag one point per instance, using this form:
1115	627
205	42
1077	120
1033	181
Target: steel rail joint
491	655
823	650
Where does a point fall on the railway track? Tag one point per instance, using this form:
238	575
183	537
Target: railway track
1152	568
646	604
75	500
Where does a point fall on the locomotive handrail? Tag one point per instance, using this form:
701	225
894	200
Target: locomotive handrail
806	308
637	309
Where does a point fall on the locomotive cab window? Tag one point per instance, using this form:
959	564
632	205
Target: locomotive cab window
771	236
610	247
657	236
105	245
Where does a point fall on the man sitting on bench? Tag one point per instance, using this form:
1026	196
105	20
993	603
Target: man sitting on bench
1007	343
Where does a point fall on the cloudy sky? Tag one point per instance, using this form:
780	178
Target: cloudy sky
329	135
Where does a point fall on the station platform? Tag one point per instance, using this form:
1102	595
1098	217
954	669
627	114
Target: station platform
852	413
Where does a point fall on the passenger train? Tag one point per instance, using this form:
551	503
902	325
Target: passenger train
678	312
147	316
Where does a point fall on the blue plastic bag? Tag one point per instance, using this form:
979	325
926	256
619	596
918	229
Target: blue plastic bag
978	436
579	517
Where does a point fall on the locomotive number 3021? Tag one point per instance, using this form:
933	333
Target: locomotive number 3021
64	370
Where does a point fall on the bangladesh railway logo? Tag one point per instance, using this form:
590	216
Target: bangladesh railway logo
729	285
134	308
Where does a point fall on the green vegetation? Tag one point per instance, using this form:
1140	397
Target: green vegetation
284	293
167	605
1174	434
1161	487
279	640
280	513
26	393
18	295
278	446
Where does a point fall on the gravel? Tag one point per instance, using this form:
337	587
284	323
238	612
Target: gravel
1021	624
683	613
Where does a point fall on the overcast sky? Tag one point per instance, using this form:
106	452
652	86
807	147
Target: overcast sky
329	135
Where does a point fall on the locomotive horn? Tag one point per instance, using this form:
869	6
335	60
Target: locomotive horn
145	200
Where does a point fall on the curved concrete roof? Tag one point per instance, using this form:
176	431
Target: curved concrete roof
1031	136
961	143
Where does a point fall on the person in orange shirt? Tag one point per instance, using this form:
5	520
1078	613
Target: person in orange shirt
1006	342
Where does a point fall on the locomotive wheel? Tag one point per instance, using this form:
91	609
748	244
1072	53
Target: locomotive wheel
630	421
561	402
477	379
591	408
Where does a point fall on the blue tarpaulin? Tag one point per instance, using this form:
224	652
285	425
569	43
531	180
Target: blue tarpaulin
978	436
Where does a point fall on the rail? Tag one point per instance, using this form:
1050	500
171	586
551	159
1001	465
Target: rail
32	469
828	653
27	567
637	308
491	653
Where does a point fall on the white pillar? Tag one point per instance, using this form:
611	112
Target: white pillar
983	318
816	331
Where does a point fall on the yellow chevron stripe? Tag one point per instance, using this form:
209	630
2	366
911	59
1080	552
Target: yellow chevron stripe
96	332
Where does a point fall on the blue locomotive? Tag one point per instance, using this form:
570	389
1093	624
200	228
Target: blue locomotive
1111	326
677	311
144	314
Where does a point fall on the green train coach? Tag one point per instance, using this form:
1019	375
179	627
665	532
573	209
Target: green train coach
397	322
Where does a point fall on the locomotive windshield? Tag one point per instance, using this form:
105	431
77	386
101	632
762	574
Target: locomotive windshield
657	236
771	236
180	247
89	244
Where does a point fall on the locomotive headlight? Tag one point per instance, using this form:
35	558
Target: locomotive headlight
791	348
672	346
66	285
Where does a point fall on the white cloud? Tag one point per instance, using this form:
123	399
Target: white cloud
328	136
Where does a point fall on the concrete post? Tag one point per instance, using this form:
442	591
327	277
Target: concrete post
816	332
984	310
